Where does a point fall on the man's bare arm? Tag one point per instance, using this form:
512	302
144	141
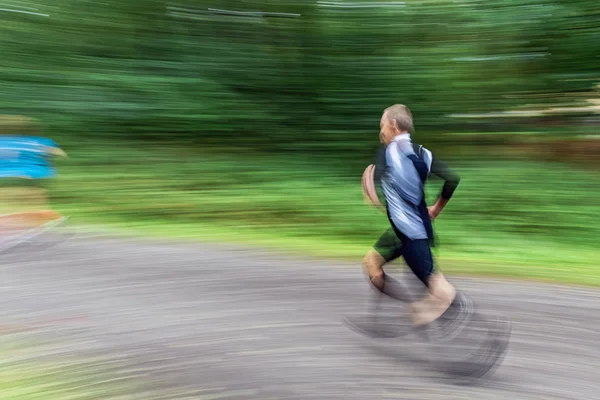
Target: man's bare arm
368	186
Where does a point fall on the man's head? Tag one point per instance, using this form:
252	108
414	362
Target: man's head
395	120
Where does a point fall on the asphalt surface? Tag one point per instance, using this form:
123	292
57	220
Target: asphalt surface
219	322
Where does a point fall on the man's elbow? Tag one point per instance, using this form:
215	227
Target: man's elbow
456	181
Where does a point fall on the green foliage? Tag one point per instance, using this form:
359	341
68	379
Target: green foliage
304	75
508	217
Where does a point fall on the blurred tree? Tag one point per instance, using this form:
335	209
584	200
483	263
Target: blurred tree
292	72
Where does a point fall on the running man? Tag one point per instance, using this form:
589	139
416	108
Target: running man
26	166
400	171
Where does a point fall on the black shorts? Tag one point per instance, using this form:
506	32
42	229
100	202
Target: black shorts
416	252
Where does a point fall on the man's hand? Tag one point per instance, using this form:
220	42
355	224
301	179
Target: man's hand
437	208
433	212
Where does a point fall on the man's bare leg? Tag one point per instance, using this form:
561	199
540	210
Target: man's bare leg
435	303
439	297
25	207
373	264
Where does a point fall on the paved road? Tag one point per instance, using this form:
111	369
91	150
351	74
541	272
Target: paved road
230	323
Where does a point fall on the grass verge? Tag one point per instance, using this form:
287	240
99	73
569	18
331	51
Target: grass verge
509	217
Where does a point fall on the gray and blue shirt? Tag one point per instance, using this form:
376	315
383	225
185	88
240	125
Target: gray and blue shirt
401	170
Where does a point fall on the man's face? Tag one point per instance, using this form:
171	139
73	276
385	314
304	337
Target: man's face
386	130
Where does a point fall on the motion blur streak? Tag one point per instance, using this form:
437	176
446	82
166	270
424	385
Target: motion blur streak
250	122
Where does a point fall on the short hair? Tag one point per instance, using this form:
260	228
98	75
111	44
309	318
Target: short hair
402	115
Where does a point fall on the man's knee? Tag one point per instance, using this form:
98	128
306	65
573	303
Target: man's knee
373	263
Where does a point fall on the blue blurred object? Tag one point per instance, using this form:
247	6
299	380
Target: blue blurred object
26	157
